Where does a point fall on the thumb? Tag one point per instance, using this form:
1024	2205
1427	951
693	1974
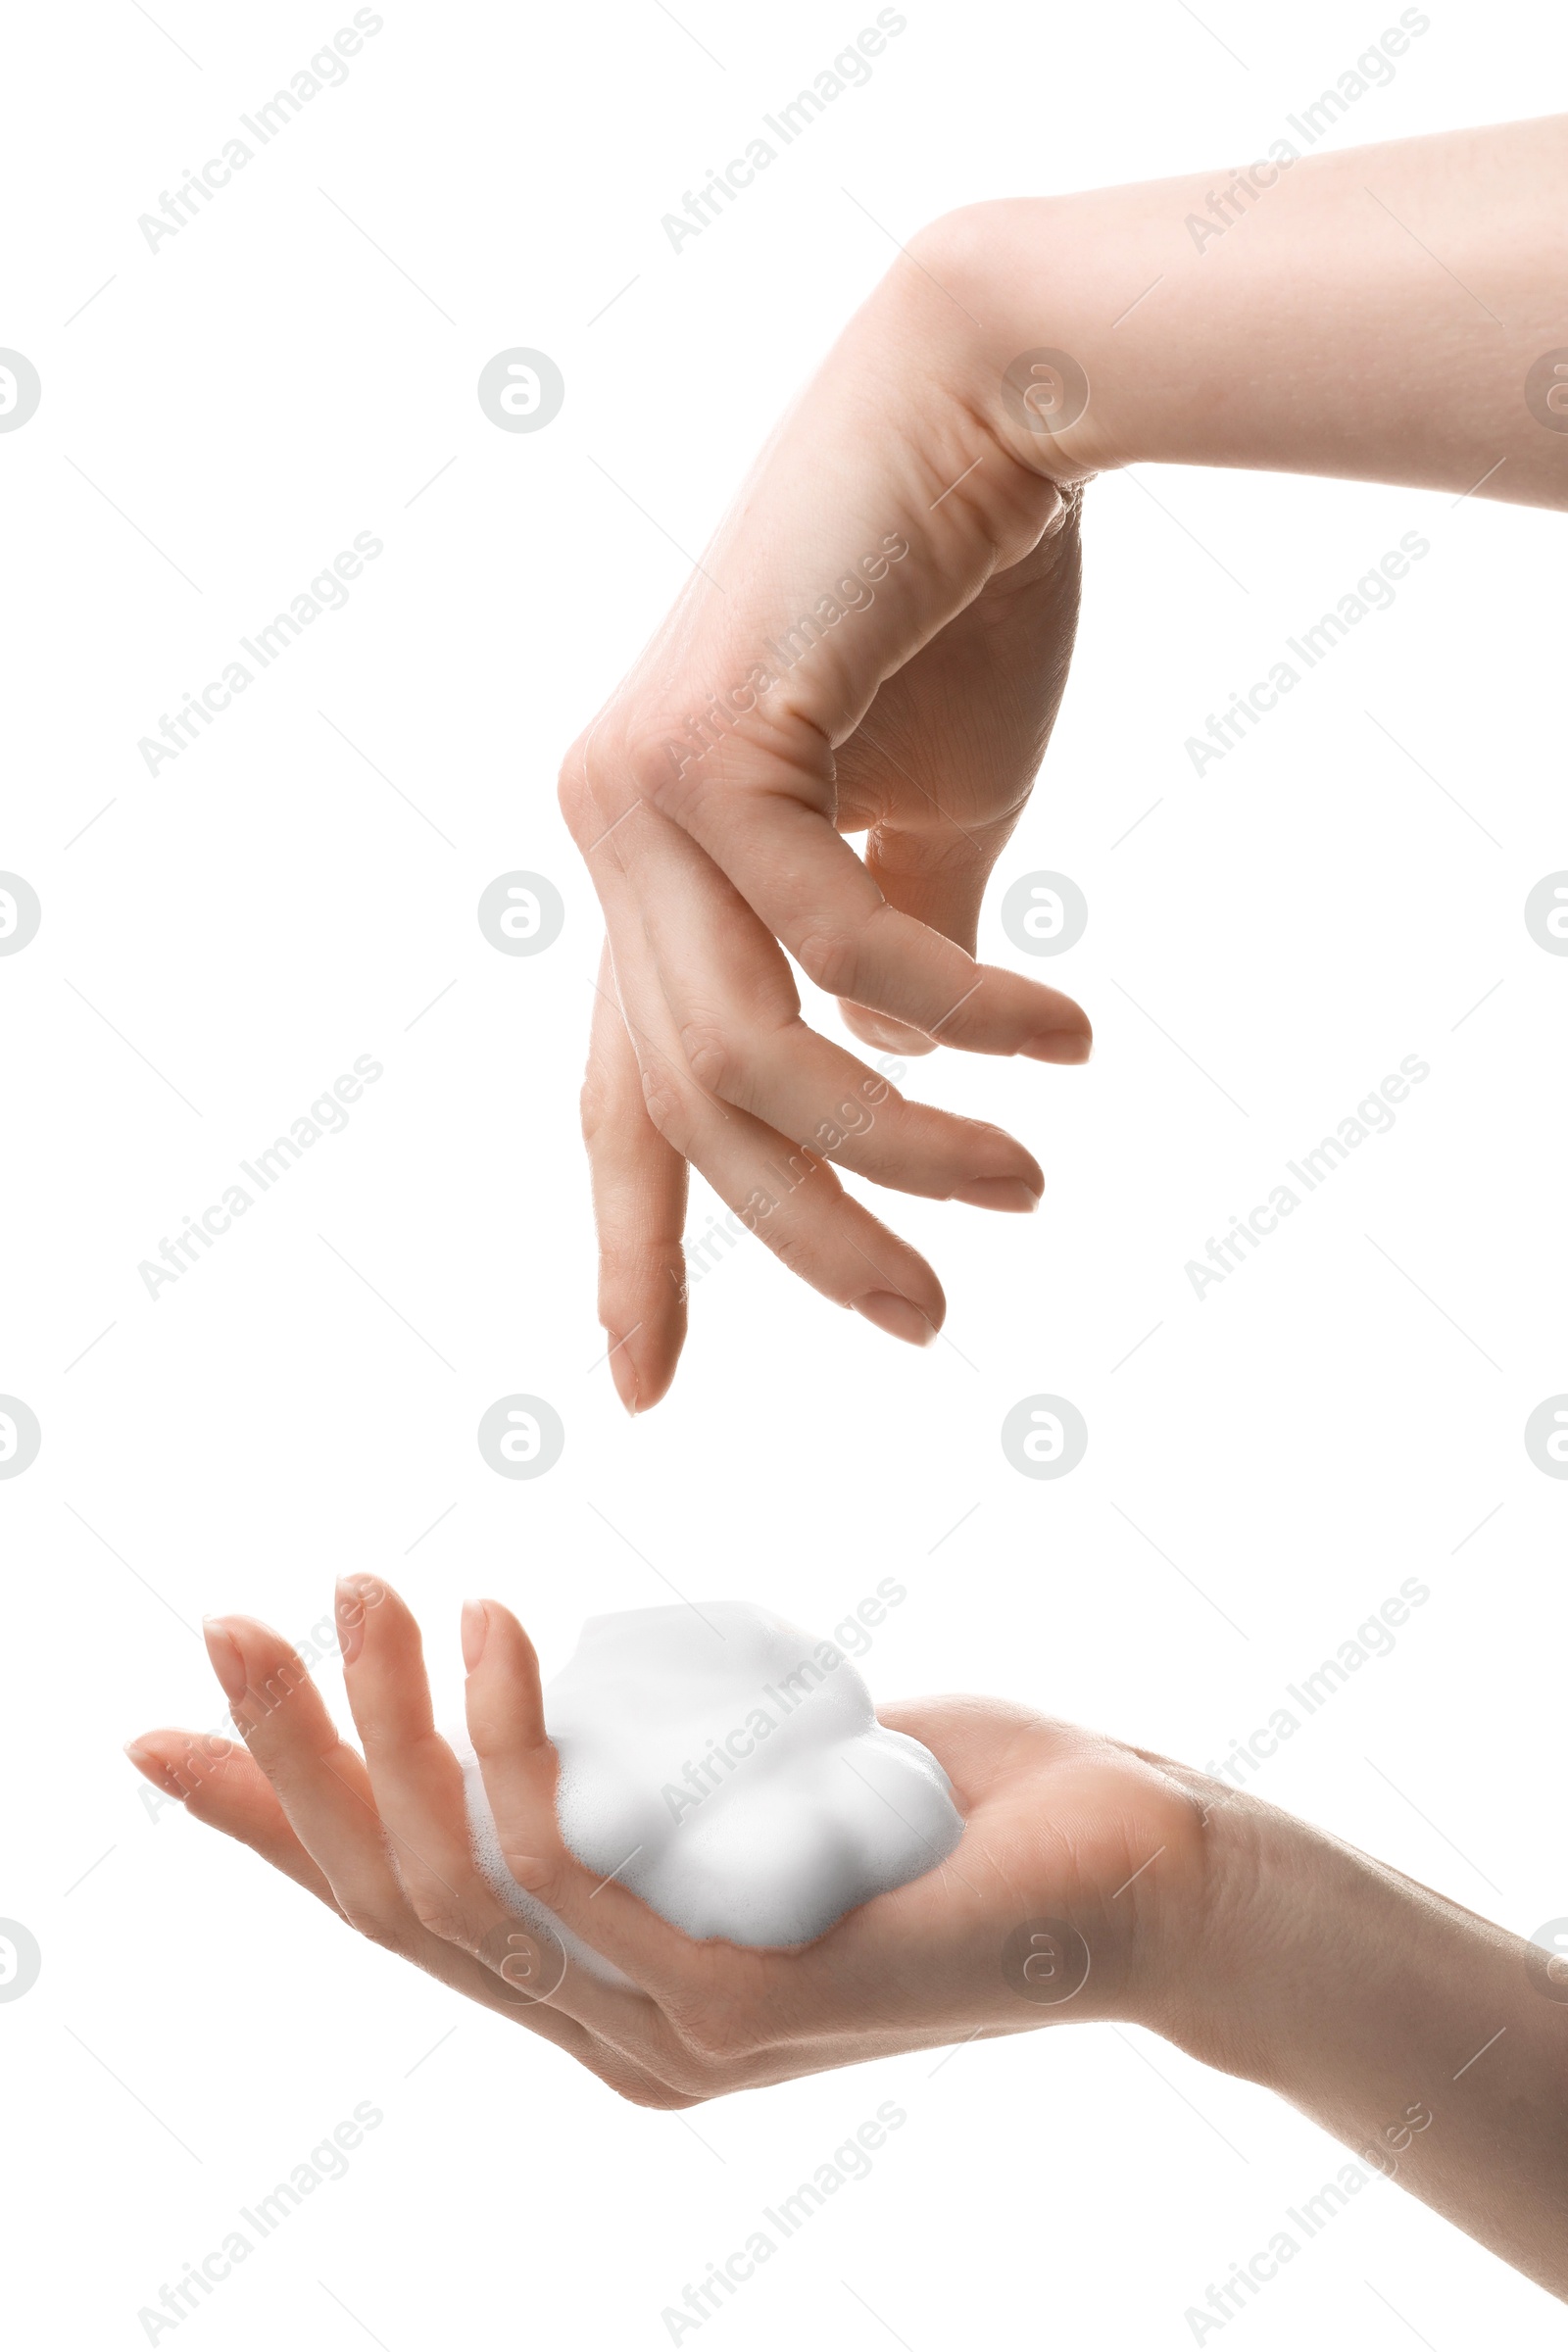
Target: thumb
938	875
942	766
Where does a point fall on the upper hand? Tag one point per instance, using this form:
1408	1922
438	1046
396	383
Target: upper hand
875	641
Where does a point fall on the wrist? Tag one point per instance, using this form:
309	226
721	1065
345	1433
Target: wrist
1039	282
1230	1983
1323	1975
1411	2029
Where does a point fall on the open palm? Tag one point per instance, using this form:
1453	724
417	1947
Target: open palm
1077	1856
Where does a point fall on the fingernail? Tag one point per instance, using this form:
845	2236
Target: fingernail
228	1663
353	1597
475	1627
151	1768
999	1192
900	1317
623	1372
1058	1045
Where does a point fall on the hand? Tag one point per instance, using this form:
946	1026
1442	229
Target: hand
1059	1825
875	641
878	635
1416	2033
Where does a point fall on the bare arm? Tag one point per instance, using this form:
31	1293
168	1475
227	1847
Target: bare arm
1385	314
1433	2043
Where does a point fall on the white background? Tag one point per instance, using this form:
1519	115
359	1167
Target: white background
265	386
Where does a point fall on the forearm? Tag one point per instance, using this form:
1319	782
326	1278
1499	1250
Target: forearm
1422	2037
1385	314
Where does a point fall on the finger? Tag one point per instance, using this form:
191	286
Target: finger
324	1792
937	876
517	1766
941	766
930	862
735	1005
786	1194
507	1725
746	805
639	1193
843	1110
416	1781
791	1199
220	1785
320	1783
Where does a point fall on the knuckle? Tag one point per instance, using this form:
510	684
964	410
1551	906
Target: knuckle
716	2037
622	759
665	1100
574	793
375	1921
439	1915
633	1265
830	961
638	2092
596	1105
379	1724
656	761
791	1249
711	1055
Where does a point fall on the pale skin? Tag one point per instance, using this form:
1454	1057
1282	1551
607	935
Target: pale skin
1381	337
1257	1943
1370	315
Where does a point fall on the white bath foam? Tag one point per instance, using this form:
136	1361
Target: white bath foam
730	1770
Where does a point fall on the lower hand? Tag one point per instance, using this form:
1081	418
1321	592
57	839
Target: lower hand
1059	1825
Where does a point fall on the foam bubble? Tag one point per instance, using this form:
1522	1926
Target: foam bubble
731	1772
